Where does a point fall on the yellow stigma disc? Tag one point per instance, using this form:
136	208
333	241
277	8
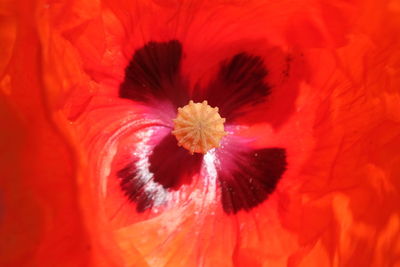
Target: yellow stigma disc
198	127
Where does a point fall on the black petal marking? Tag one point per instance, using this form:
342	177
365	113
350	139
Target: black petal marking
253	178
153	73
239	82
134	188
147	180
172	165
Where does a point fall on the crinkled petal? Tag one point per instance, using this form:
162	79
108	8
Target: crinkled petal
336	203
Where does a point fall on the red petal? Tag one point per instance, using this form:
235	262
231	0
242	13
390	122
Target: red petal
337	203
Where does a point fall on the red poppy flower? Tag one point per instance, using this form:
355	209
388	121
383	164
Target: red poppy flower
307	175
159	166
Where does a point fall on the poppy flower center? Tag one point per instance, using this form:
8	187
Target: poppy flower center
198	127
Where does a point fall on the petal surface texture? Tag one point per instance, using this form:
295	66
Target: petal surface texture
240	81
307	175
248	177
153	73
